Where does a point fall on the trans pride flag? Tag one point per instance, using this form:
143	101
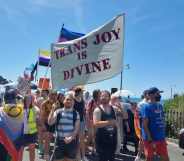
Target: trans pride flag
65	35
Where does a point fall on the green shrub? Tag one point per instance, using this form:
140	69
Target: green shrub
176	103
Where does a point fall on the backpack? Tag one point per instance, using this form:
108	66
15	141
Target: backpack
59	116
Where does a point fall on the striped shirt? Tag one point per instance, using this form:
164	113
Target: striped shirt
65	126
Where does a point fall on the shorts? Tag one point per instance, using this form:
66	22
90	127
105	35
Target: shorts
63	150
50	128
160	148
29	139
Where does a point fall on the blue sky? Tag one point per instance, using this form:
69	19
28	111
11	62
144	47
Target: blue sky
154	37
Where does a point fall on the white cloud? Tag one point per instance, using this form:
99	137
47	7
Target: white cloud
21	10
74	6
136	15
14	16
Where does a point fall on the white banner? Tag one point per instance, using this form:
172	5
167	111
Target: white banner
94	57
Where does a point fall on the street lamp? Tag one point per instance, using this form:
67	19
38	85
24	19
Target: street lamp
172	90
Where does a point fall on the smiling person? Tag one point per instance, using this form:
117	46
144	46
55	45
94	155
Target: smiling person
104	119
67	124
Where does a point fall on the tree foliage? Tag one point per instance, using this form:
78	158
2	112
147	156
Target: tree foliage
176	103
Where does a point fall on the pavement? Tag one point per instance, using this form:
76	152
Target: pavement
175	154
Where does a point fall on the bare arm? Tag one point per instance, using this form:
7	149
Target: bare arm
42	113
77	127
97	120
88	113
52	116
123	113
100	124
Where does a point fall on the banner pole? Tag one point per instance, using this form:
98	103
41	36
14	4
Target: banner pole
52	49
121	82
122	68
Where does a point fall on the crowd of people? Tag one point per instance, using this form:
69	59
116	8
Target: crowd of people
78	124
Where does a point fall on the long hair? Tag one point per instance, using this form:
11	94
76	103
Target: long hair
96	94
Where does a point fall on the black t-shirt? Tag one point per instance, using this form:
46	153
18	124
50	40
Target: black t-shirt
79	107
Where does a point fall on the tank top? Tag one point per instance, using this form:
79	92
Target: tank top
107	135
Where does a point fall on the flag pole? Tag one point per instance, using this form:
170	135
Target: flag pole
62	26
122	68
46	72
60	34
38	63
50	59
52	52
121	82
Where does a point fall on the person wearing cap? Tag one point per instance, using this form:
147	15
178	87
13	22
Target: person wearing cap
153	127
11	125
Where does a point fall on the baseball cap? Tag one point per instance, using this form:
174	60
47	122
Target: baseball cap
154	90
10	96
145	92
